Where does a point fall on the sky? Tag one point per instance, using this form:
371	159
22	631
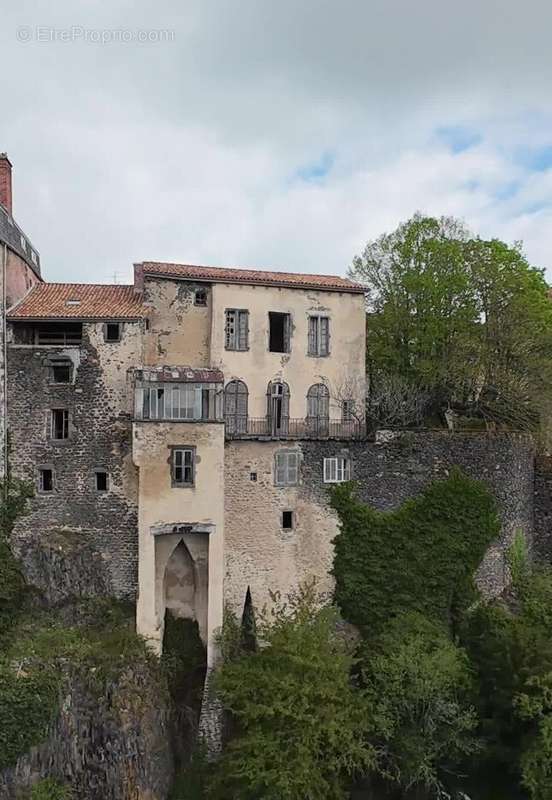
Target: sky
277	135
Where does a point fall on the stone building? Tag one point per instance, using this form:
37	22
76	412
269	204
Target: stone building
182	434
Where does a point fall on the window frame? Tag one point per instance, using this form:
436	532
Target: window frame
292	518
238	339
65	424
341	473
101	471
60	362
201	291
39	483
286	331
183	448
285	453
108	325
315	338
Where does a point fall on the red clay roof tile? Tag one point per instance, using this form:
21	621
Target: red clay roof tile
251	276
79	301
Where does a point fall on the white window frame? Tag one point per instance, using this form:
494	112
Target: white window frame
183	458
286	468
337	469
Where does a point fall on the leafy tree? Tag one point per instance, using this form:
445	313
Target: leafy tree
463	322
418	684
421	557
300	725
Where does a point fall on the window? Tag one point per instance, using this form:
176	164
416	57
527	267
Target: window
60	333
319	336
253	477
337	470
23	243
182	466
278	408
181	401
348	410
287	520
101	480
46	480
61	370
59	423
237	329
200	297
34	257
235	407
279	332
286	468
112	332
318	407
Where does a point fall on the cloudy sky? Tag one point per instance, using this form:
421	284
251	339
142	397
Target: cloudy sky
272	134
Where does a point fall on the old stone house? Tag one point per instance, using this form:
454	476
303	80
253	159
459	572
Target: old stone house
182	433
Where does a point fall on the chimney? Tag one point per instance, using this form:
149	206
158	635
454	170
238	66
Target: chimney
6	182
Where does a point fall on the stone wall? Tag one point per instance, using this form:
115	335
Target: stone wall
543	509
75	517
260	554
113	744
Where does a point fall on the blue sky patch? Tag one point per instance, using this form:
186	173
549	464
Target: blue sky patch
538	159
317	170
458	138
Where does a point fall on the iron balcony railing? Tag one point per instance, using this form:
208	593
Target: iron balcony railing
309	428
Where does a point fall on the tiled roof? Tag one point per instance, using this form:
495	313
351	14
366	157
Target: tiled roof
79	301
259	277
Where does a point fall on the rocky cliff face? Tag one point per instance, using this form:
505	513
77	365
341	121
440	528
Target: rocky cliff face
108	742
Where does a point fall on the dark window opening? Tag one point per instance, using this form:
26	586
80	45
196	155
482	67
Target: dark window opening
101	481
200	297
61	370
60	333
278	341
253	477
46	480
59	423
287	520
113	332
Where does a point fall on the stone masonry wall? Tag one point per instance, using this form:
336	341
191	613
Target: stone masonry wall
91	534
260	554
543	508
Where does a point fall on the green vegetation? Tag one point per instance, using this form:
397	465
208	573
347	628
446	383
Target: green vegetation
455	321
420	557
50	789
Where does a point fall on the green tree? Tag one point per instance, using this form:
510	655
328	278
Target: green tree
461	321
418	684
300	726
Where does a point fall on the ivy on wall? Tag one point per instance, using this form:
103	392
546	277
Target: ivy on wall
420	557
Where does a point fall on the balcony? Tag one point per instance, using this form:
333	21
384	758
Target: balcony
309	428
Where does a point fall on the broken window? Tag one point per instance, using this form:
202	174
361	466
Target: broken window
61	370
101	480
200	297
59	423
112	331
279	332
319	336
59	333
182	466
237	329
286	468
287	520
278	408
337	470
46	480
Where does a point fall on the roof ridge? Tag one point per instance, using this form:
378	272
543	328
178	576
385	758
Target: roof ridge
256	270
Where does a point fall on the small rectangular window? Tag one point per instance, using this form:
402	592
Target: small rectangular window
61	370
59	423
237	329
200	297
101	480
319	336
337	470
286	468
182	466
287	520
46	480
113	332
348	410
279	332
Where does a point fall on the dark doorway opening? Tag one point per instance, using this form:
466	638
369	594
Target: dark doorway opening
278	341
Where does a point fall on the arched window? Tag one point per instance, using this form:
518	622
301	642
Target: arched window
318	408
277	411
235	407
